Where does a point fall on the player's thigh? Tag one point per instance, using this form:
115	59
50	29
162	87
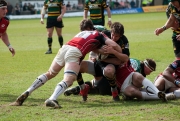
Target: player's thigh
87	67
58	31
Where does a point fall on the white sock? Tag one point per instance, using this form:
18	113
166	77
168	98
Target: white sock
149	96
177	93
41	80
60	88
149	86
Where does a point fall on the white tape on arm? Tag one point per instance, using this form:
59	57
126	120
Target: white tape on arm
43	11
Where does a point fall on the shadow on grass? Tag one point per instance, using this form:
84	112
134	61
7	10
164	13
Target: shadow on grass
93	101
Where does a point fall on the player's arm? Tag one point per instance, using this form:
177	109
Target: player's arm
86	9
167	73
169	23
109	16
115	49
5	39
126	46
43	12
63	11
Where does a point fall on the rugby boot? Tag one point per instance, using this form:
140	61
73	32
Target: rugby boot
115	95
84	92
48	51
73	90
162	96
52	103
19	101
170	96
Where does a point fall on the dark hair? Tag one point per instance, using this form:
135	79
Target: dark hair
117	28
86	24
150	63
3	3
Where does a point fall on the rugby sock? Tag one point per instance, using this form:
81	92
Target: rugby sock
80	81
148	85
49	40
60	88
148	96
42	79
60	40
177	93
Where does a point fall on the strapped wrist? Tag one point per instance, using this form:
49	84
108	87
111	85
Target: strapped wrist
109	19
177	82
164	28
9	45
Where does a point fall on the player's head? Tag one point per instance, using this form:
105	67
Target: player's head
117	31
173	0
175	3
150	66
86	24
3	8
3	4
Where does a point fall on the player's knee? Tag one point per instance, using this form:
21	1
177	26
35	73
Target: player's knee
52	73
70	76
109	71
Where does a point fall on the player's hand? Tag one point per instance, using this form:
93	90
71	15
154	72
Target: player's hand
11	49
178	37
158	31
109	23
42	21
59	18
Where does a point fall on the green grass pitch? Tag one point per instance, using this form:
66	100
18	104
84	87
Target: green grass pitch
29	37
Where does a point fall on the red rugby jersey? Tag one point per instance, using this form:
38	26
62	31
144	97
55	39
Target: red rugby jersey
87	41
4	22
122	73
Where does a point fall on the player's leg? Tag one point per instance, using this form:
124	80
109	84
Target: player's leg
50	29
85	67
109	75
41	80
160	83
138	81
70	74
59	25
49	40
60	38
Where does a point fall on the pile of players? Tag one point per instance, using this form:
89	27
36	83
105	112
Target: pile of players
114	72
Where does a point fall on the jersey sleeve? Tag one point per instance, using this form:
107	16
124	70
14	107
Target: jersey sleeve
105	4
126	46
175	64
86	5
102	38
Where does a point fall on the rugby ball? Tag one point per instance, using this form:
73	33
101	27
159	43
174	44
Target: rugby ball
102	56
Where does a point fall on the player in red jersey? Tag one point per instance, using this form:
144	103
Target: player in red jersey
70	56
130	84
169	80
4	22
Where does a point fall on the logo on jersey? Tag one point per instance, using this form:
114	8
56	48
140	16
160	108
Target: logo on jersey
3	25
134	64
93	6
53	5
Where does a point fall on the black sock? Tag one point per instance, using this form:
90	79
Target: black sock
60	41
49	40
80	79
